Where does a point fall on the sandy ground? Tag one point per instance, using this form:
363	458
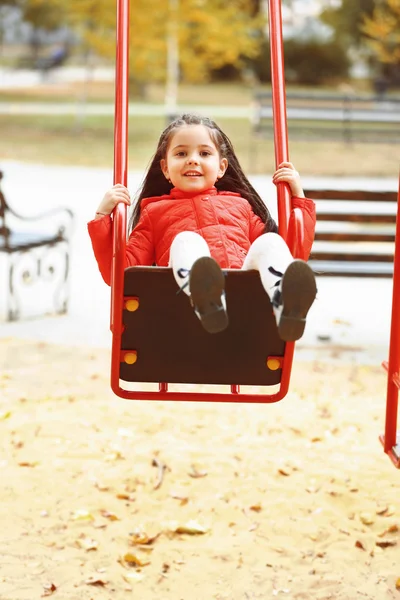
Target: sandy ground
108	498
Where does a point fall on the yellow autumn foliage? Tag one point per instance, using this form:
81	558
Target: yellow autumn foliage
210	33
383	31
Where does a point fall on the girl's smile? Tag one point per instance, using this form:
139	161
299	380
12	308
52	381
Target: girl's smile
193	162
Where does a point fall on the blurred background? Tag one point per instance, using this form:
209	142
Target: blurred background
342	64
57	70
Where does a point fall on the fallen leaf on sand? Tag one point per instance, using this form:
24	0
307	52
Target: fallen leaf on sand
192	527
87	544
360	545
367	518
81	514
101	486
27	463
116	455
96	581
161	468
49	589
392	529
109	515
386	543
125	496
183	499
284	472
5	415
398	584
142	538
132	560
256	507
195	473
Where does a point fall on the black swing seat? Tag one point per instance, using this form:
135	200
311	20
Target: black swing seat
169	344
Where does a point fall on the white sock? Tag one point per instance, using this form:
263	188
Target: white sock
186	248
270	255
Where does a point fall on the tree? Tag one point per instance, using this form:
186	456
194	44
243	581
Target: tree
210	33
383	31
346	19
46	15
43	14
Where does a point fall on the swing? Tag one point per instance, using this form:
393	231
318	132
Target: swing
156	337
391	438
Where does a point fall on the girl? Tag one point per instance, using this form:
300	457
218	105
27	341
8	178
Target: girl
197	212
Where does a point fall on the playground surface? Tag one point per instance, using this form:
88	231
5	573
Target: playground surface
105	498
108	498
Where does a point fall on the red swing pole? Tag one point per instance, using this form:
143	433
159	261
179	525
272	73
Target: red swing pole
281	145
281	142
391	440
120	176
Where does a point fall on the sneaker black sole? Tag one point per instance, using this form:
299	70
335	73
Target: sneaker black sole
207	284
298	293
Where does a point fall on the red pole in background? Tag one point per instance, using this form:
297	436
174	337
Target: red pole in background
279	109
121	94
120	176
393	366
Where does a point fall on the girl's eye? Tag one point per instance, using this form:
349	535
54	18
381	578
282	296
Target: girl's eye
205	153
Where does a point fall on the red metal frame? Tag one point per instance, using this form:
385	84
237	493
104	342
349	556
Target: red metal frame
391	440
293	237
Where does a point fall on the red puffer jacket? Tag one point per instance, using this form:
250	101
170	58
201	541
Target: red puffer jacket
224	219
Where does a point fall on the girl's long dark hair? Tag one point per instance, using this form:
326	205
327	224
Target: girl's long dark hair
234	179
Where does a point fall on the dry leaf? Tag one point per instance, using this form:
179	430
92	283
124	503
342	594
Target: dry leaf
87	544
392	529
344	531
381	510
27	463
134	561
367	518
49	589
5	415
195	473
256	507
115	455
101	486
192	527
96	581
284	472
386	511
390	511
132	576
82	515
109	515
183	499
360	545
141	538
161	468
385	543
398	584
125	496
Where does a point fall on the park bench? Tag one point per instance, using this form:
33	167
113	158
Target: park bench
345	117
56	58
355	232
36	250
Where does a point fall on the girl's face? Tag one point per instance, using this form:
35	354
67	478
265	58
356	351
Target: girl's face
193	163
